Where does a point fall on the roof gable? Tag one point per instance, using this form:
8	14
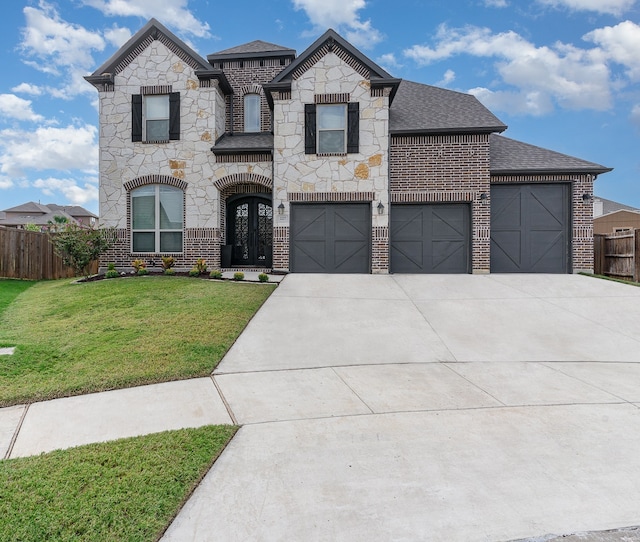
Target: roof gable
29	207
253	49
509	157
420	108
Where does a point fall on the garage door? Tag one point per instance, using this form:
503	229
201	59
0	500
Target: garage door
430	238
330	238
530	227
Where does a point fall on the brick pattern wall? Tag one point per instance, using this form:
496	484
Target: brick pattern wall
446	168
582	215
281	248
248	76
380	249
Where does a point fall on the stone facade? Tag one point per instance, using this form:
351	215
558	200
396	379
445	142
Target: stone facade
388	168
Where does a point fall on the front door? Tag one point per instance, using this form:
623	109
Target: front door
250	230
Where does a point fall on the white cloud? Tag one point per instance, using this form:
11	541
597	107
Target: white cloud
5	183
448	78
13	107
516	103
613	7
48	148
52	41
117	36
78	194
571	77
172	13
496	3
621	44
389	61
27	88
342	16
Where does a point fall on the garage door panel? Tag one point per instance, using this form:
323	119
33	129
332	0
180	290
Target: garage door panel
530	228
430	238
330	238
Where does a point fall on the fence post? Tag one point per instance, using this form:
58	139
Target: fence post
636	255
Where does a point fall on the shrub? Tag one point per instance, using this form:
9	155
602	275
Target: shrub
194	272
111	274
138	265
78	246
168	262
111	267
263	277
238	276
201	265
170	271
215	274
142	271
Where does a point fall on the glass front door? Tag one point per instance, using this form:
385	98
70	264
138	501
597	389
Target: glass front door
250	231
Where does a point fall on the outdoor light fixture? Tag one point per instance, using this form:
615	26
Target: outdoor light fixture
586	197
380	208
484	196
281	208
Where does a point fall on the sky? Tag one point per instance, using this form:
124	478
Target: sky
562	74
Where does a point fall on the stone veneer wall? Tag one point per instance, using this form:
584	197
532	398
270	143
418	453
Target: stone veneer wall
581	217
331	178
446	168
202	114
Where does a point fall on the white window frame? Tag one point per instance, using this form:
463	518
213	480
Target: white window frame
146	117
157	231
320	129
255	125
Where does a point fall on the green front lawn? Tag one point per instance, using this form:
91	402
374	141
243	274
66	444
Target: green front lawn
79	338
10	289
128	489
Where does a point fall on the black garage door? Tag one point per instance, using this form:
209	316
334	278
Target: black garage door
530	228
430	238
330	238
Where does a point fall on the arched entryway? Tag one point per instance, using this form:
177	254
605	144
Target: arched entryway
250	229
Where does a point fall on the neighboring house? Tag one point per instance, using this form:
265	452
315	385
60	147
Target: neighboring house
42	215
323	162
613	217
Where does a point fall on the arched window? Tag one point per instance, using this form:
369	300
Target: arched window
251	112
157	218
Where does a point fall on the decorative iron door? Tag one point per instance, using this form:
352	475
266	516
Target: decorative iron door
250	231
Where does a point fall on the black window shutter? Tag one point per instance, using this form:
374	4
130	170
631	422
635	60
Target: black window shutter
174	115
309	129
353	127
136	117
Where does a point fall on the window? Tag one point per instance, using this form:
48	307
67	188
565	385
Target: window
331	121
156	218
252	113
332	128
155	117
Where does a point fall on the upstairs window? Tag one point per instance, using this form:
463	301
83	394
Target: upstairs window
252	113
156	219
156	117
332	128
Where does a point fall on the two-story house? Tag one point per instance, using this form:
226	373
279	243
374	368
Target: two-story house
323	162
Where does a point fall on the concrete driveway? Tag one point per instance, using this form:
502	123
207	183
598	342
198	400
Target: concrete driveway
457	407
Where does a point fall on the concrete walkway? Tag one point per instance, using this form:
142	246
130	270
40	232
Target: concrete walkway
460	407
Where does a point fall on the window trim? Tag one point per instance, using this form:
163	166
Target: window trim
352	135
157	231
343	129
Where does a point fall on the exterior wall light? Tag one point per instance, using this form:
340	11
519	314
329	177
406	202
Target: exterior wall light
281	208
586	197
484	196
380	208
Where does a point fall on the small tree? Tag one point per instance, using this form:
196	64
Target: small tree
78	246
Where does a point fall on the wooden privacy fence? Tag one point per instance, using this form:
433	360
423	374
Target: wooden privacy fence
617	255
29	255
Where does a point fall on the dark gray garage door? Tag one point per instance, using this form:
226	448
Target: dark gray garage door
530	228
330	238
430	238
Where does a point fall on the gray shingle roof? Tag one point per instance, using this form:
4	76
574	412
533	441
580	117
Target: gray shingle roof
29	207
256	46
509	156
243	142
610	206
419	108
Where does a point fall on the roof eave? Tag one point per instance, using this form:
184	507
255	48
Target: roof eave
219	76
271	87
285	53
596	170
441	131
